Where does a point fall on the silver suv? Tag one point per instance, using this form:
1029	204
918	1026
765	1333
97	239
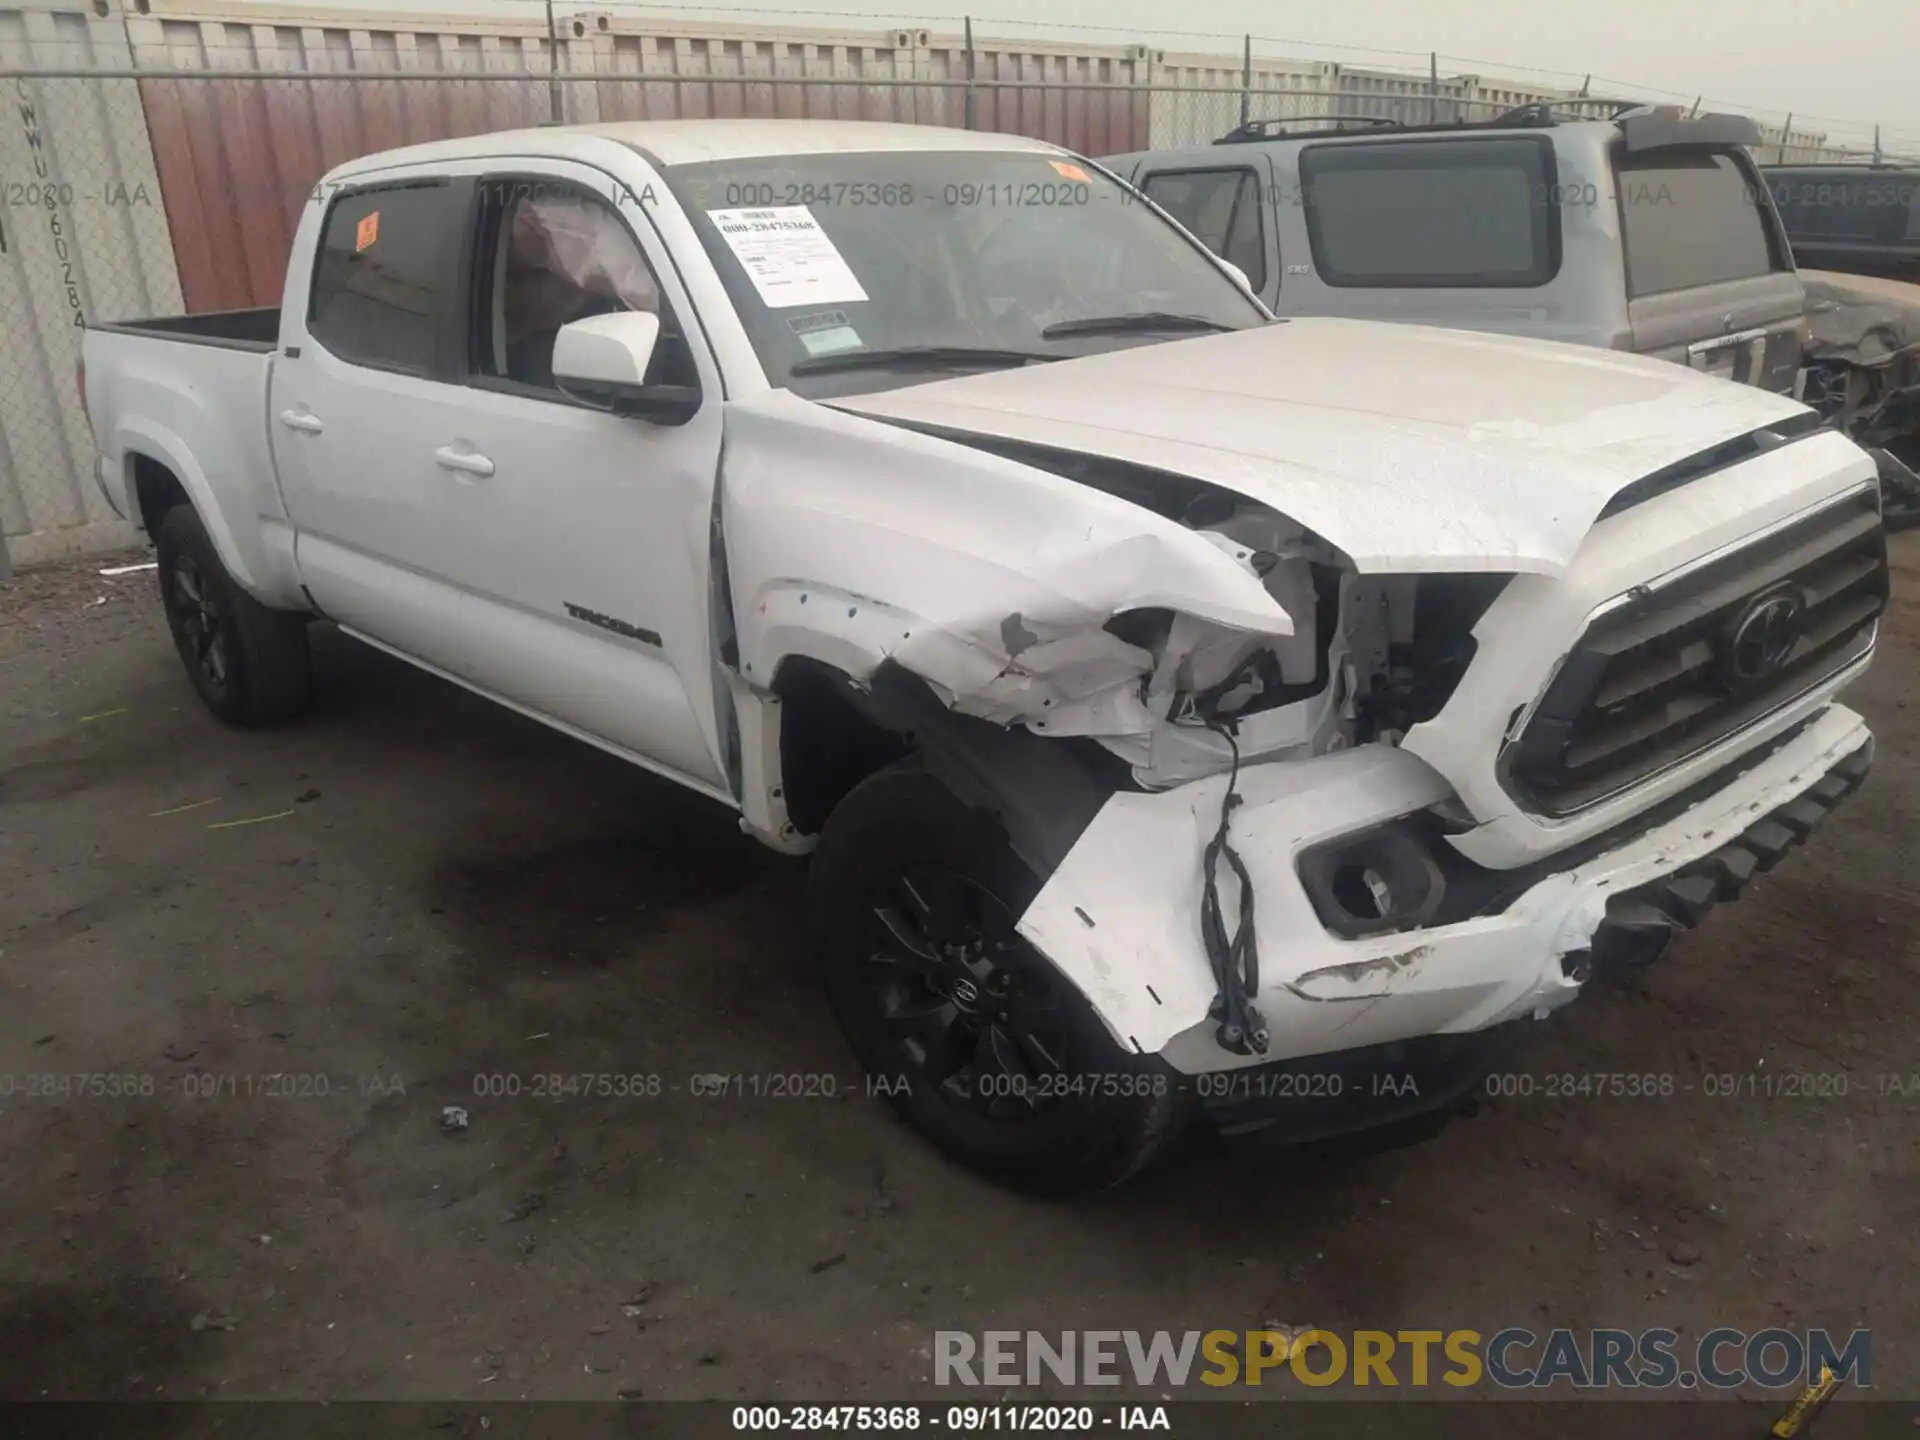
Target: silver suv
1649	232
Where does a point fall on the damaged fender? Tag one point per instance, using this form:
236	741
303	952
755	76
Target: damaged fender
988	579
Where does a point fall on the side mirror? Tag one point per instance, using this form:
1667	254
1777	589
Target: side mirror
603	360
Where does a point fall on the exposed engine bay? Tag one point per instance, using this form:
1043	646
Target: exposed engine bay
1178	698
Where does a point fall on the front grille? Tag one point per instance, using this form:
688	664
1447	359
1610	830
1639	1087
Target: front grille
1673	670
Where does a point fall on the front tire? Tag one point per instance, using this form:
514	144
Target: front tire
978	1040
250	663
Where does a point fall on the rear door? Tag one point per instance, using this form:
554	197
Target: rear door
1710	280
366	371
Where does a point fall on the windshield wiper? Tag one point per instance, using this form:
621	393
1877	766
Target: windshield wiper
1141	320
909	355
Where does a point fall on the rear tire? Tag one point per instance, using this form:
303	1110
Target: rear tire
987	1048
250	663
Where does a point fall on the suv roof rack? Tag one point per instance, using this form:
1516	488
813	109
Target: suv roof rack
1275	127
1643	126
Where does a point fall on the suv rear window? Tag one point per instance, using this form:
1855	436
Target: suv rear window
1433	213
1222	209
1691	218
382	261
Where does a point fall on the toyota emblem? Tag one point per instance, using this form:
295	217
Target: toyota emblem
1763	636
965	992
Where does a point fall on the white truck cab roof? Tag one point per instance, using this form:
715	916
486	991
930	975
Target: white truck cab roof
691	142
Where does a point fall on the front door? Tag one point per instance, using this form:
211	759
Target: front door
582	537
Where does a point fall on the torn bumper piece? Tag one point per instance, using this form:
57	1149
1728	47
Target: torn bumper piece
1120	915
1641	923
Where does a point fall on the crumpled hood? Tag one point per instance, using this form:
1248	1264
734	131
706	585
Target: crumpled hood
1409	448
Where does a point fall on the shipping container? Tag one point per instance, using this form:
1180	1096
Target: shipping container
83	236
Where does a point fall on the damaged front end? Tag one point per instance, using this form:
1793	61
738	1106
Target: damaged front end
1253	772
1041	606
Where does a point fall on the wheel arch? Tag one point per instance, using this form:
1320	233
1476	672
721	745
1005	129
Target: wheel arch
160	473
835	730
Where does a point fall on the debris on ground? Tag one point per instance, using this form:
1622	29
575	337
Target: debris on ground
642	1293
523	1207
306	796
202	1320
1806	1405
829	1262
453	1119
255	820
1684	1252
182	809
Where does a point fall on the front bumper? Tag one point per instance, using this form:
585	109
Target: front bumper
1120	916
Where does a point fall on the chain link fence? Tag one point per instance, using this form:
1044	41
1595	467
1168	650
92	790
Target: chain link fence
137	191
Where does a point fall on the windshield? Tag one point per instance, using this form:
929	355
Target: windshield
858	272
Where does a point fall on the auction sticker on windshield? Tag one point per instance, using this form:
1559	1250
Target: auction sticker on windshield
789	258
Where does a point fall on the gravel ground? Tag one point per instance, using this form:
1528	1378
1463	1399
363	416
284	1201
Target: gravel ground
436	892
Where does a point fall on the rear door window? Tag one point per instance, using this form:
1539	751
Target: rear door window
1691	218
1223	210
380	273
1433	213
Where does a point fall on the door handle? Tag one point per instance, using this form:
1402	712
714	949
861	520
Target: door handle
466	461
301	420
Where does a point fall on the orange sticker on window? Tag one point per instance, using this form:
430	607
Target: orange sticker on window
1071	172
367	231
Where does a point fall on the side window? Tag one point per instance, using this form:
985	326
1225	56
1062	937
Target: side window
548	254
379	273
1468	214
1222	208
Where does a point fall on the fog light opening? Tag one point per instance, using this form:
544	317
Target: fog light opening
1363	892
1372	883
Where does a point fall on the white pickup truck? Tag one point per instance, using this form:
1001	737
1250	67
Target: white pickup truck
1190	713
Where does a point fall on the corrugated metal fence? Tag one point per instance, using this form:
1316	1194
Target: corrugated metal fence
157	160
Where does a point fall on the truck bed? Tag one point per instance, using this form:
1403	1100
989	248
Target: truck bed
256	329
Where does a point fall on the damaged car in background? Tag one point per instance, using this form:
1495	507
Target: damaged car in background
1855	234
1863	375
1189	716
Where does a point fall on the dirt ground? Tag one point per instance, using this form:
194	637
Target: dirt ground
438	892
